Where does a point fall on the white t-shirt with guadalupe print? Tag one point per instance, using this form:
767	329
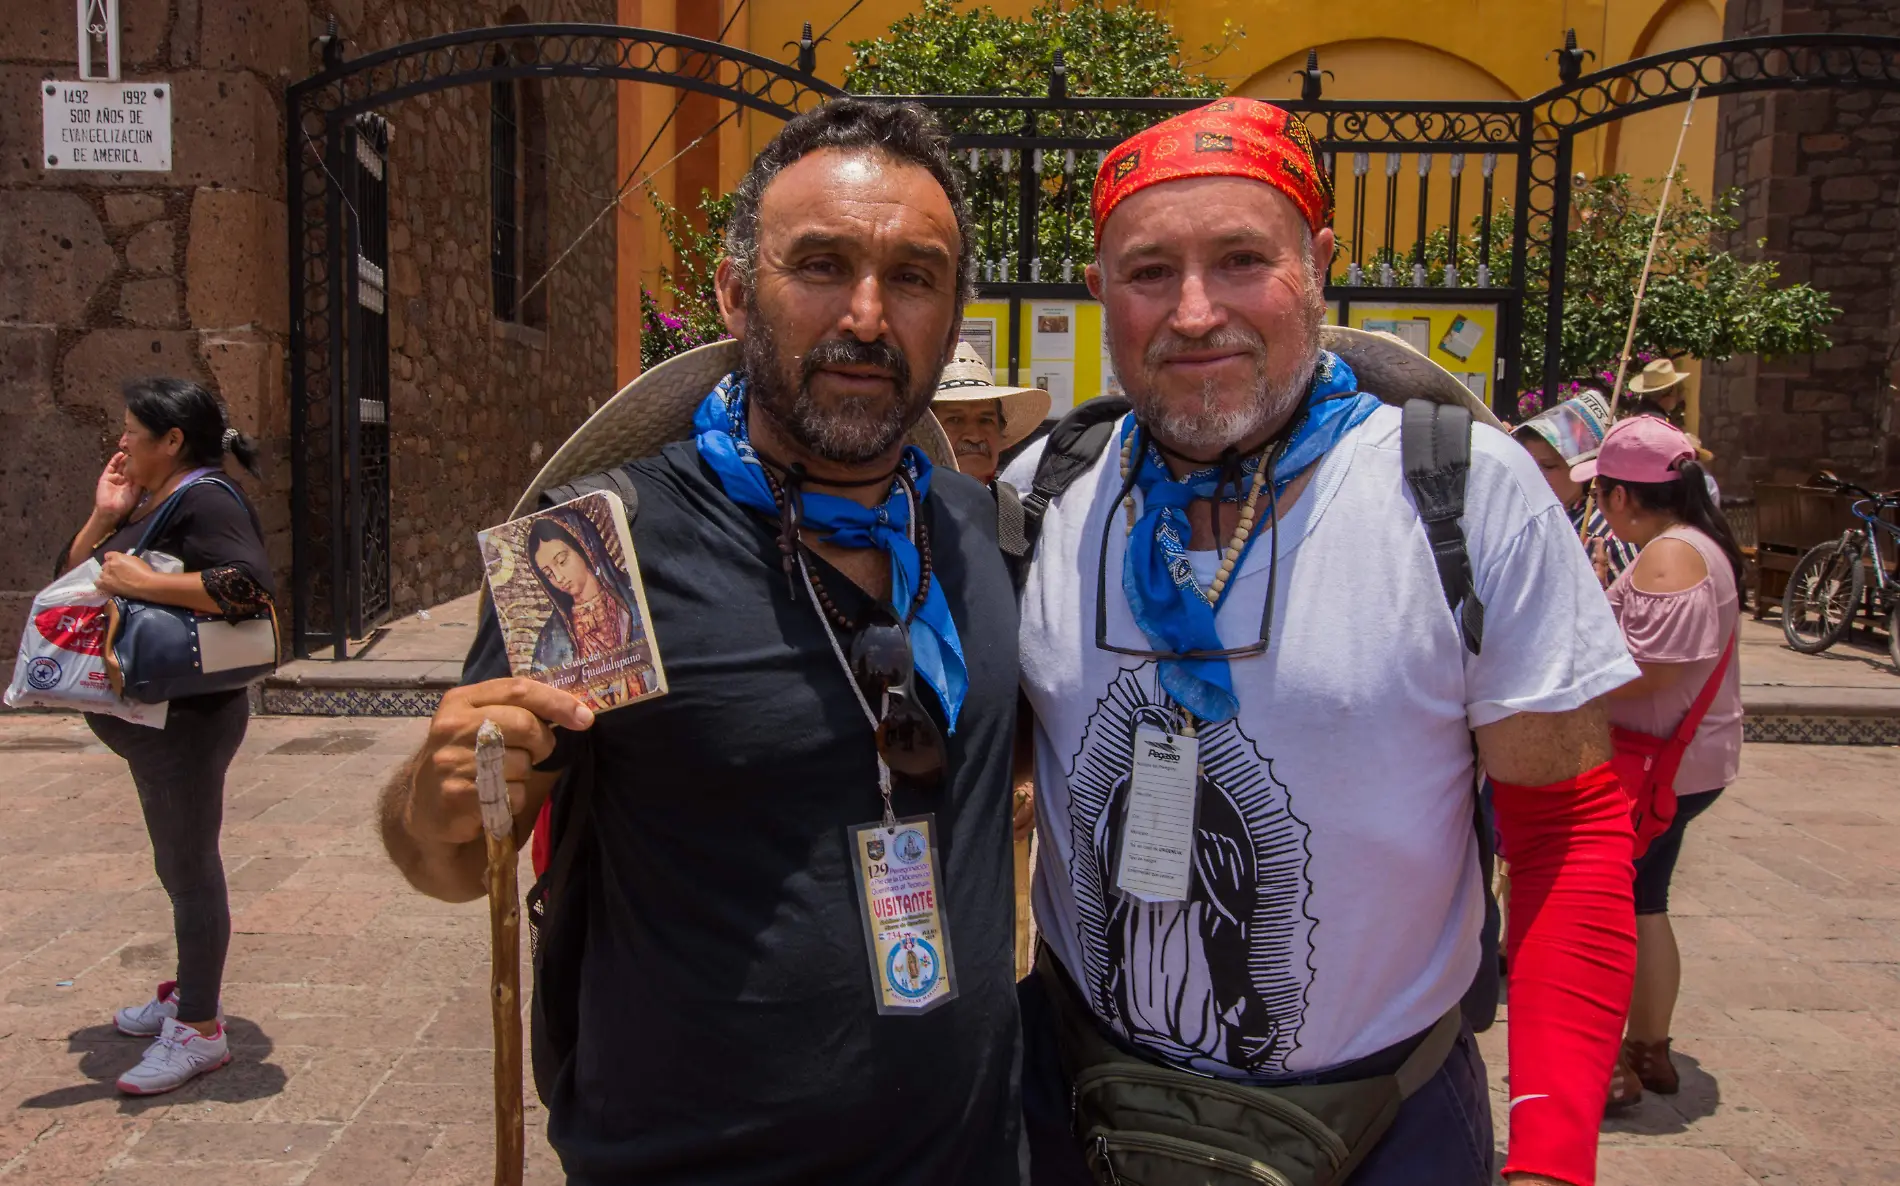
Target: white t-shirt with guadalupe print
1335	902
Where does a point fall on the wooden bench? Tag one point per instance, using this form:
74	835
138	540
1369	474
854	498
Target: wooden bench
1790	520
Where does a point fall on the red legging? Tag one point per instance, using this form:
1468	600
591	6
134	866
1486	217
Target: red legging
1572	948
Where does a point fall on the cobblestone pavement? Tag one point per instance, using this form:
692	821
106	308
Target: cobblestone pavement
360	1023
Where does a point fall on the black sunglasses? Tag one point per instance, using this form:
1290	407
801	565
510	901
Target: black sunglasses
1273	568
907	739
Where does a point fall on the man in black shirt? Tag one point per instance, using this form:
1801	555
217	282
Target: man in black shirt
730	1026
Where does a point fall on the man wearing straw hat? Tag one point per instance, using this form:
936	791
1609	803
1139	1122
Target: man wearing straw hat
1658	391
778	936
981	419
1259	883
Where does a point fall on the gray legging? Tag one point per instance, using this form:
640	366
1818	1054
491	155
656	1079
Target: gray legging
179	772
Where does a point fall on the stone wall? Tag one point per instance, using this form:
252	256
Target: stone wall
476	405
108	276
1820	176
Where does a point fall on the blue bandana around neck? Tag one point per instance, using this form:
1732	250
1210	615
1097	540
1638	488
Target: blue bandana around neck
1157	577
720	431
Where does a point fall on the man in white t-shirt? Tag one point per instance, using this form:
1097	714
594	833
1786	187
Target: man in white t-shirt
1317	913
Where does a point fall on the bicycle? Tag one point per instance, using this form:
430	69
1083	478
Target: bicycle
1827	585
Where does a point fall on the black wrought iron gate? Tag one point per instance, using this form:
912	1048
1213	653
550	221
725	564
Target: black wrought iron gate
336	165
1029	163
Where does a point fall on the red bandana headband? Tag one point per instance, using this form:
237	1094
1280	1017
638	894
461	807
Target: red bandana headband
1227	138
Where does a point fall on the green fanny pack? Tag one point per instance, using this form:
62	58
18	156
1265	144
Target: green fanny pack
1142	1123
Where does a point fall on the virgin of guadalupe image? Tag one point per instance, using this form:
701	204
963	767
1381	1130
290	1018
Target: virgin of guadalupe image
595	611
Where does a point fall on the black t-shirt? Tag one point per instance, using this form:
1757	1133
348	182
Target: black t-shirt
728	1031
209	528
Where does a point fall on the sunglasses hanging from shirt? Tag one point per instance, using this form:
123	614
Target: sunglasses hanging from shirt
894	861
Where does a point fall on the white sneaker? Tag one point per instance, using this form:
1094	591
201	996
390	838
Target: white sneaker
144	1021
180	1055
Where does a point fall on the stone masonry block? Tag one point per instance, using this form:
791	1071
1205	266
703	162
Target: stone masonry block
53	257
248	368
1770	155
1790	195
150	302
43	31
271	39
226	132
132	209
26	368
47	472
235	273
151	249
1850	189
92	371
1802	111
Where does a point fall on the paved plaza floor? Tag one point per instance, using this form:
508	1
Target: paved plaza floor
360	1024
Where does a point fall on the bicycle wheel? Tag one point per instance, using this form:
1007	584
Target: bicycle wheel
1823	591
1893	635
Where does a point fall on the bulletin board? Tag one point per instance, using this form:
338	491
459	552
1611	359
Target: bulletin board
1461	338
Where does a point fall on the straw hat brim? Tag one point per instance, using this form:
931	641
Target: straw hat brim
1024	408
656	409
1390	369
1641	388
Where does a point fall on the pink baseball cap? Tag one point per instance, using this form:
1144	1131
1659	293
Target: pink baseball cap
1639	449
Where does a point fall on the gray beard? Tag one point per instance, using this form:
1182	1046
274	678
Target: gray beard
849	432
1206	430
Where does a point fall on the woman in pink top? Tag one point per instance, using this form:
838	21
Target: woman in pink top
1679	605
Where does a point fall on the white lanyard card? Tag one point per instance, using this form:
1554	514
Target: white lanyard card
1157	848
904	930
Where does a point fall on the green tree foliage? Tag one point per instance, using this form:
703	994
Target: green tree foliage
1700	302
694	319
946	48
951	48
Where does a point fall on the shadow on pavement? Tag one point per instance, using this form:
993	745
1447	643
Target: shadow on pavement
105	1054
1667	1115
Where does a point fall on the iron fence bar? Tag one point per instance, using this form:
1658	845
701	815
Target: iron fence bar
1361	164
334	283
1558	251
295	179
1457	229
1424	197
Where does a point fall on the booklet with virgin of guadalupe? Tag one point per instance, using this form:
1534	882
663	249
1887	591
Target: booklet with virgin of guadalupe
573	612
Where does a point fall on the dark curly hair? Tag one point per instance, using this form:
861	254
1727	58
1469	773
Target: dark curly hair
902	131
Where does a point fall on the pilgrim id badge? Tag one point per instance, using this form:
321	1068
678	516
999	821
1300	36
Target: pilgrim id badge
1157	849
904	928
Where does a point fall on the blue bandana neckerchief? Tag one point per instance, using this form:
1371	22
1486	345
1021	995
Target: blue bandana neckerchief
1157	577
719	428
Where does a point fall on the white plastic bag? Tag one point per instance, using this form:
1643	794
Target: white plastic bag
62	663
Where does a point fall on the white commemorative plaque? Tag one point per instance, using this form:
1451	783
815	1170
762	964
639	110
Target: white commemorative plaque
111	126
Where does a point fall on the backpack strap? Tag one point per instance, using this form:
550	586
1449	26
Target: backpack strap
1435	444
616	479
1073	446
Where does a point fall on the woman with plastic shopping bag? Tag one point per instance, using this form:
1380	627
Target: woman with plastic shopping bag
172	452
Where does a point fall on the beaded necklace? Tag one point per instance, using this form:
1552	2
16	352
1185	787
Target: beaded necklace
920	535
1243	529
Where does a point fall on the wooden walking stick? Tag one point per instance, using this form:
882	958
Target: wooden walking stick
1642	283
1649	257
504	928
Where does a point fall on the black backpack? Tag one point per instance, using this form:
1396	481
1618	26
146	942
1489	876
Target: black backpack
1435	447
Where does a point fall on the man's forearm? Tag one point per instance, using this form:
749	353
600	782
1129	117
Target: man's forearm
450	872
